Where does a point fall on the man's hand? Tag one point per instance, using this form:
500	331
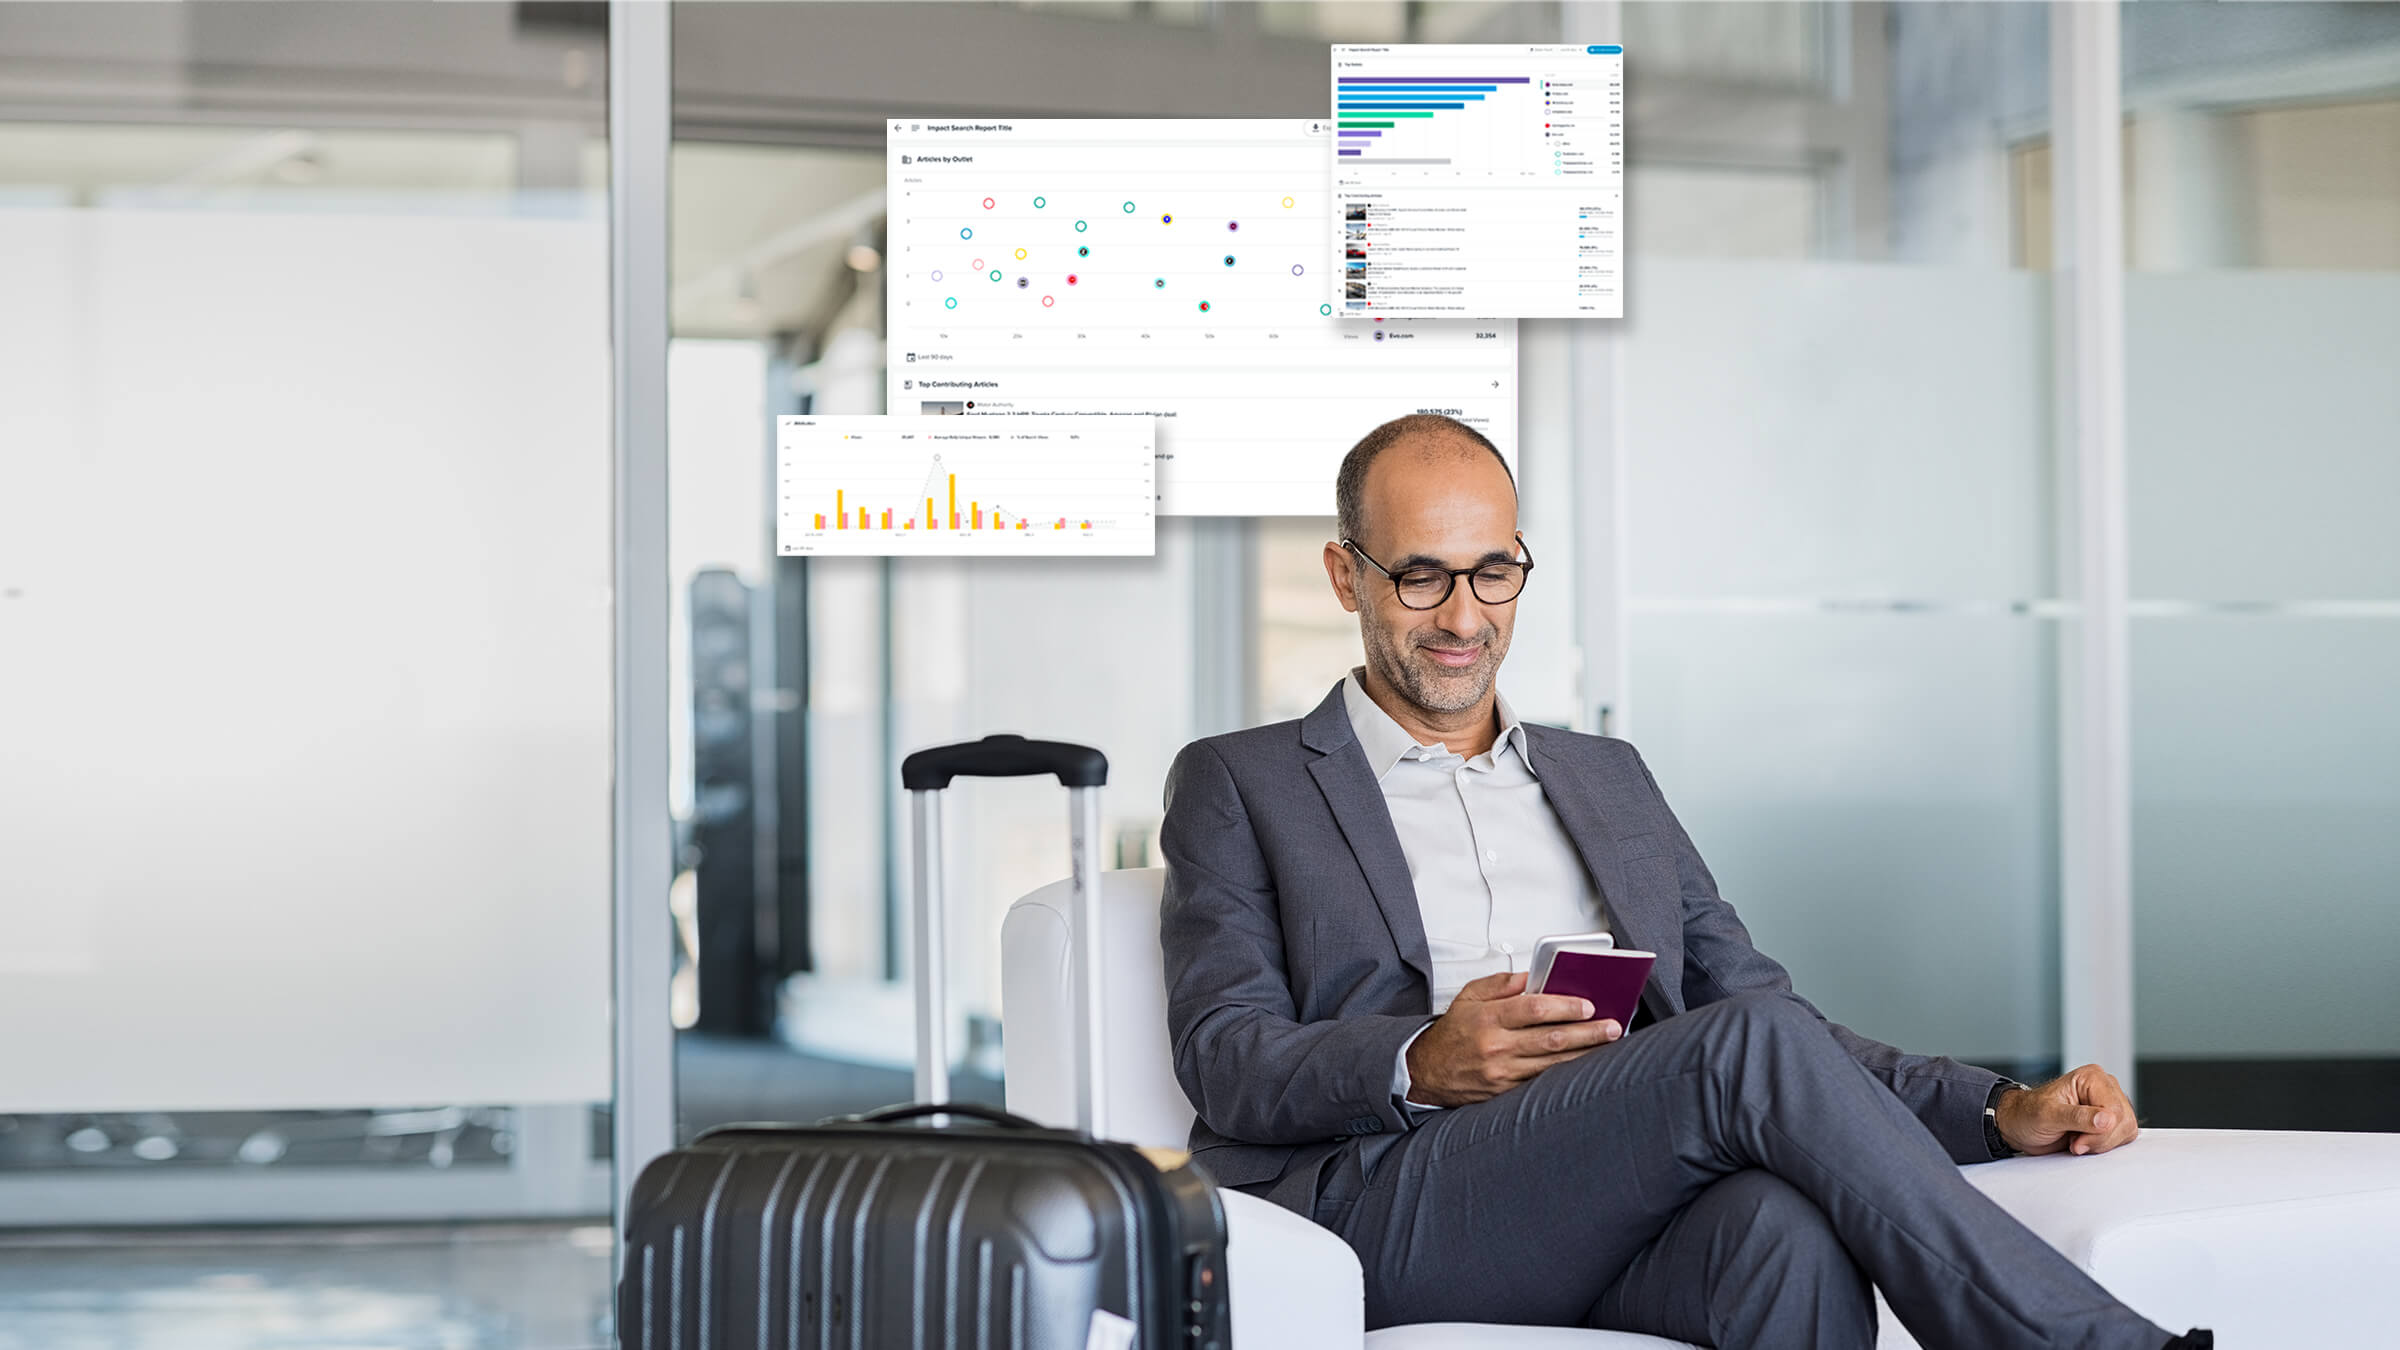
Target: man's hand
2082	1112
1495	1036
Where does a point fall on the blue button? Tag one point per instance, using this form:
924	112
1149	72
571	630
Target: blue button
1605	51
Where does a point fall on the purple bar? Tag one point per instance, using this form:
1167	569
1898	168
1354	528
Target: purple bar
1427	79
1359	133
1345	152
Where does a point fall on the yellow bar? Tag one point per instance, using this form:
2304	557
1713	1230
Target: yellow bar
977	509
954	501
929	515
862	517
887	519
820	520
838	513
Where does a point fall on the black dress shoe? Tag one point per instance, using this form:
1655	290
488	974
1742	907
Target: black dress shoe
2198	1338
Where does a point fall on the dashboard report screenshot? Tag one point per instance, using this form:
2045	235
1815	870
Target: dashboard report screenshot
1161	269
1479	181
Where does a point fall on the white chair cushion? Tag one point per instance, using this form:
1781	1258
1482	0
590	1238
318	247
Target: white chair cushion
2267	1237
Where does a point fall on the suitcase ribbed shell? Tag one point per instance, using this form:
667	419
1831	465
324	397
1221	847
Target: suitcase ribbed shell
967	1237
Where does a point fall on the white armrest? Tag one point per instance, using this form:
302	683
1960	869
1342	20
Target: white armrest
2267	1237
1295	1286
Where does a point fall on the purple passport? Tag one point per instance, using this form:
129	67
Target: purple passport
1611	980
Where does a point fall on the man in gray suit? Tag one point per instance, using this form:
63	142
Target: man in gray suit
1350	902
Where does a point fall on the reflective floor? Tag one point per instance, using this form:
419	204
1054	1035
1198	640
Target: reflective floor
479	1287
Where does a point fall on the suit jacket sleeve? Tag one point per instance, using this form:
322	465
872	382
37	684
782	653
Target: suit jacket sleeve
1719	962
1254	1071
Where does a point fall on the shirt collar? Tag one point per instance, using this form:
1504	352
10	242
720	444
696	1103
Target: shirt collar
1386	743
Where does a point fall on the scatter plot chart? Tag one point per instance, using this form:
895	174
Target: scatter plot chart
949	486
1167	270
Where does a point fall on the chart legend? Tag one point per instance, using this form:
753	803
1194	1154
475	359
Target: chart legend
921	487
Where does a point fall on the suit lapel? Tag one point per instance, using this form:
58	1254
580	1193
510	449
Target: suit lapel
1642	922
1356	801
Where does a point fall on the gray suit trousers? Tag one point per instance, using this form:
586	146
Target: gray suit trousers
1729	1176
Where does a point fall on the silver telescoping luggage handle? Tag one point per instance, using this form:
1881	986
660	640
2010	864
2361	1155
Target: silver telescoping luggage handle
1084	771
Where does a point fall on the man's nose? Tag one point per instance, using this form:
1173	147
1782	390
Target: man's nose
1460	613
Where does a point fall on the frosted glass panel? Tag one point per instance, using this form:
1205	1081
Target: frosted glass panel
304	660
1836	429
1873	795
2266	784
2263	435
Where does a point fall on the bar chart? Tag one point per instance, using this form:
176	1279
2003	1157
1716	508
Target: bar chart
914	486
1368	108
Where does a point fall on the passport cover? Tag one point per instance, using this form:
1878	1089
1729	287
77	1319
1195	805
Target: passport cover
1611	980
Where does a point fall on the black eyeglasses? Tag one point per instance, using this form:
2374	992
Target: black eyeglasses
1494	583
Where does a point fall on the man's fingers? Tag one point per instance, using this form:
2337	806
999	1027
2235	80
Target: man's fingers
1563	1038
1533	1010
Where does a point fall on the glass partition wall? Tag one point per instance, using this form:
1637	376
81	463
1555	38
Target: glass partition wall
304	679
2262	312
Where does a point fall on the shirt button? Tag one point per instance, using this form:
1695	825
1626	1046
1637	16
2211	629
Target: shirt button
1491	855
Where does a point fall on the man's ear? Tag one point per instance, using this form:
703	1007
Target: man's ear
1338	571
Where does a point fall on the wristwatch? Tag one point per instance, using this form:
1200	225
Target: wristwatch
1991	1118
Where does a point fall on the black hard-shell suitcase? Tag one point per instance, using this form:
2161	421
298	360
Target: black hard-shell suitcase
938	1226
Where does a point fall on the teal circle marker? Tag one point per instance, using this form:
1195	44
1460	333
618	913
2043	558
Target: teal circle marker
1325	309
1040	202
1129	208
950	302
1083	251
995	274
1079	227
965	233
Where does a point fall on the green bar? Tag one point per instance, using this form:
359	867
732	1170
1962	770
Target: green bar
1364	125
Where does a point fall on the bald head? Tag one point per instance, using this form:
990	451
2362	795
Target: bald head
1419	438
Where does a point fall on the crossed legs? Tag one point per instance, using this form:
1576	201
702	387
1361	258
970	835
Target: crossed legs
1729	1176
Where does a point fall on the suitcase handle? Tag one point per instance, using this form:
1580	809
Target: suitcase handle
990	1115
1004	756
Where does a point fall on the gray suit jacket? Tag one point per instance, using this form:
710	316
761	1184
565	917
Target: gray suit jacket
1296	957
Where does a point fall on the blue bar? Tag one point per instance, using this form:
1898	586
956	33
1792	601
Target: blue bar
1395	107
1429	87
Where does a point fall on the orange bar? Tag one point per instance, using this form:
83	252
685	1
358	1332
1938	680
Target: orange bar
954	501
1059	526
862	517
929	515
820	520
838	513
977	509
887	519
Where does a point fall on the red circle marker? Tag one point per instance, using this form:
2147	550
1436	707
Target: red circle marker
1047	302
978	264
1070	278
987	203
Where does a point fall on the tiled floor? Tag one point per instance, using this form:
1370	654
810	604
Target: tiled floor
483	1287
